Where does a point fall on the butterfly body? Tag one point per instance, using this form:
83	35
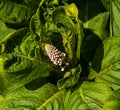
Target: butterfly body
56	56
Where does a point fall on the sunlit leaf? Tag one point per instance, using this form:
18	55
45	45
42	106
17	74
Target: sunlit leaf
22	98
113	101
108	63
98	25
89	96
115	22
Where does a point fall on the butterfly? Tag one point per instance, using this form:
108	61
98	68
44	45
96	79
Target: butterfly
56	56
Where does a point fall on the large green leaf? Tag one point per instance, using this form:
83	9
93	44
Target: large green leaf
115	15
14	13
24	99
89	96
98	25
20	73
107	62
113	101
19	64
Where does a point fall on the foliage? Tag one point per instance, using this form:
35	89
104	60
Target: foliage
86	31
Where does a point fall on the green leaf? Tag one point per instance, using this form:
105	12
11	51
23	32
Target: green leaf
35	23
89	96
98	25
25	99
37	27
107	62
115	15
19	64
79	38
70	78
70	28
71	10
113	101
67	33
55	102
26	71
4	30
15	38
14	13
